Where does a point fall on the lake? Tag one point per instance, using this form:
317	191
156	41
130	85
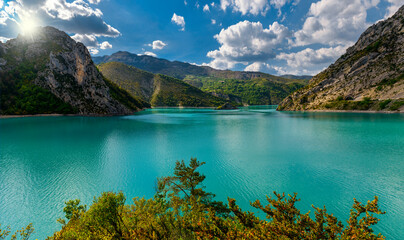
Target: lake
327	158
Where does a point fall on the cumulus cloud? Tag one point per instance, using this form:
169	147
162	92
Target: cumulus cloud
94	1
254	7
91	42
179	20
258	67
105	45
157	45
206	8
394	6
150	54
310	61
334	22
88	40
213	21
74	17
247	42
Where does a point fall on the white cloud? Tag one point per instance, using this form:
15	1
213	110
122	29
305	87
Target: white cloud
254	7
185	2
278	4
247	42
310	61
105	45
394	6
206	8
91	43
179	20
73	17
334	22
3	39
93	51
88	40
150	54
257	67
157	45
94	1
213	21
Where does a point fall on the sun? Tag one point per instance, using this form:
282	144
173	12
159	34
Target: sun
28	26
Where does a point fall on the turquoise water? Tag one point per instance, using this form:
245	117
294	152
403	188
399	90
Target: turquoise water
327	158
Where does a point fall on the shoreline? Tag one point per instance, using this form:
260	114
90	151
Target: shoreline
348	111
213	108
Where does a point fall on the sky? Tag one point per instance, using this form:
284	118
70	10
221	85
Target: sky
274	36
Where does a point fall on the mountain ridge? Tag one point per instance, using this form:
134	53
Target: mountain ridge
181	70
157	89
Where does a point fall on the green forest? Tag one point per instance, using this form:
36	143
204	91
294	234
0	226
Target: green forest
257	91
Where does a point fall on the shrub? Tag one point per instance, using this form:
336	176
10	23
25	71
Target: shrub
182	209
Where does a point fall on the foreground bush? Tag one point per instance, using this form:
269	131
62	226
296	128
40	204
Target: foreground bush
182	209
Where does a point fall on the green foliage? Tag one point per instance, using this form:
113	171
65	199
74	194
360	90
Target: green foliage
396	105
257	91
174	92
365	104
340	104
390	81
20	96
374	46
186	185
383	104
182	209
23	234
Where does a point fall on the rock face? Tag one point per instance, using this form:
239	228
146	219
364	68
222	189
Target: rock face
369	76
65	68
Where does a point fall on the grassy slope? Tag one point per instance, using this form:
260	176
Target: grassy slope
257	91
158	90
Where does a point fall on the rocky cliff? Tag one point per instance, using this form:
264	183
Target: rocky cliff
49	63
369	76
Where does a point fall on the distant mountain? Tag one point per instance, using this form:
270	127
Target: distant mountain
181	69
49	72
369	76
303	77
155	65
250	88
157	89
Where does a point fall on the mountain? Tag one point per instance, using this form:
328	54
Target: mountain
303	77
255	91
369	76
48	72
250	88
157	89
181	70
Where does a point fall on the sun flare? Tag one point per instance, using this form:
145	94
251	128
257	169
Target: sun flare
28	26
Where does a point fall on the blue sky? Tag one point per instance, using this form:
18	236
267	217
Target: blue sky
274	36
